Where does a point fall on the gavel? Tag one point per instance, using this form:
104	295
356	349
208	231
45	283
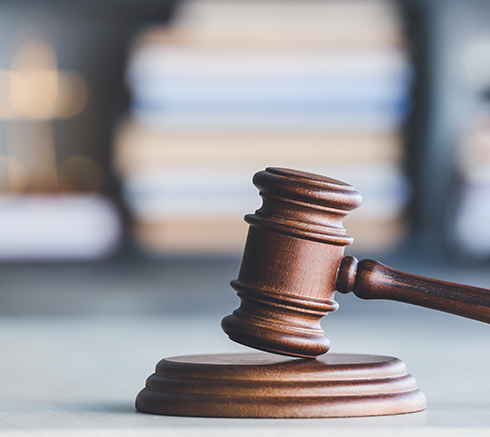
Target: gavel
293	263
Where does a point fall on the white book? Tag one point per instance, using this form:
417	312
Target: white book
58	227
363	120
278	93
472	219
167	61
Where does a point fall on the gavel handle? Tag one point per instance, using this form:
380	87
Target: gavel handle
369	279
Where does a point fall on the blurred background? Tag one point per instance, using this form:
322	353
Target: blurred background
129	135
130	131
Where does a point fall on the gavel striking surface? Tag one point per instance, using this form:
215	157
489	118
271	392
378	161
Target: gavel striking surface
266	385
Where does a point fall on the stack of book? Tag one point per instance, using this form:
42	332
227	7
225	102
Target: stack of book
470	213
232	87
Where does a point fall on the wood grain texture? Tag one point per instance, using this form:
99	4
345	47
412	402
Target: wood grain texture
287	277
370	279
266	385
293	263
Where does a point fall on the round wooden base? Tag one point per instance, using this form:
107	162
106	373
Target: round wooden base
267	385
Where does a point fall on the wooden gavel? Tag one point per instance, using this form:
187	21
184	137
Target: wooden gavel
293	263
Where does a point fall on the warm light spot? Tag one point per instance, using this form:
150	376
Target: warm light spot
17	94
41	91
35	64
34	55
80	173
10	94
34	89
72	94
13	175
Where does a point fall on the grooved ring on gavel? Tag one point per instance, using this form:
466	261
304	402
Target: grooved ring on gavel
286	282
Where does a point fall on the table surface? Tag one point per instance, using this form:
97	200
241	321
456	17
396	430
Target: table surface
78	373
82	374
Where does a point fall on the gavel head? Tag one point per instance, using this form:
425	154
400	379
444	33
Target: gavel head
295	243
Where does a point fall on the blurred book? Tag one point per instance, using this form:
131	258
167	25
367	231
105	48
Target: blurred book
200	88
139	147
232	87
57	227
236	24
470	214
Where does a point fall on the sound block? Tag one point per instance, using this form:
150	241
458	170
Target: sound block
267	385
